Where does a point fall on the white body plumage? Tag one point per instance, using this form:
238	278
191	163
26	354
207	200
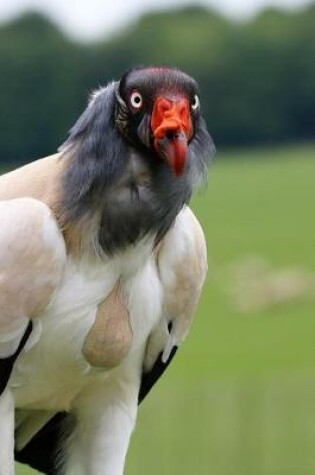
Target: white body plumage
52	374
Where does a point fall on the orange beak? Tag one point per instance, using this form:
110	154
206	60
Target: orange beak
172	128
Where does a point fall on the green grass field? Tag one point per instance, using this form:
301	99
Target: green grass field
240	397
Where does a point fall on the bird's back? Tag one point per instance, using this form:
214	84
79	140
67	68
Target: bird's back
37	180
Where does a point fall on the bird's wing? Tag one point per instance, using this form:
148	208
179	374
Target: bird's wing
32	256
182	266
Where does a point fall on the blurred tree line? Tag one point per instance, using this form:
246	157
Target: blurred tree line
257	79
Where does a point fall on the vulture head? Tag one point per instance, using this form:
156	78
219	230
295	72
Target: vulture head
145	133
159	109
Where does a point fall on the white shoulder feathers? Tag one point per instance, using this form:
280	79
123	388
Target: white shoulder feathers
32	256
182	266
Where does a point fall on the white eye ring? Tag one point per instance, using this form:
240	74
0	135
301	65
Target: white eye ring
196	103
136	100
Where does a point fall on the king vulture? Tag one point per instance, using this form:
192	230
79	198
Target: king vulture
101	267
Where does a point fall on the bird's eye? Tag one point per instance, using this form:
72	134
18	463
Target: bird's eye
195	103
136	100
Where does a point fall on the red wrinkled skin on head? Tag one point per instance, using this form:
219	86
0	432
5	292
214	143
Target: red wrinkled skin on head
171	119
170	116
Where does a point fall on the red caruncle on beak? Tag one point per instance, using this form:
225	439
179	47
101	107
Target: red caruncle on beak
172	128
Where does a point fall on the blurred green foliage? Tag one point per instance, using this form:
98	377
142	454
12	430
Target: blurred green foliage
257	79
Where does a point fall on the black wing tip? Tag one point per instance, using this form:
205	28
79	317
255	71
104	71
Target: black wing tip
6	364
151	378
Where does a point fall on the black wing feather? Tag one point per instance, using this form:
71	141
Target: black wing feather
6	364
41	453
148	380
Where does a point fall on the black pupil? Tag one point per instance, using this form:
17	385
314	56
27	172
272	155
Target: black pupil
137	99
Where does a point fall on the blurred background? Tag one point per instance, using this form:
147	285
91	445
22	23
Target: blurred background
240	397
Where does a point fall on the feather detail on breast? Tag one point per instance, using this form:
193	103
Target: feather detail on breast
110	337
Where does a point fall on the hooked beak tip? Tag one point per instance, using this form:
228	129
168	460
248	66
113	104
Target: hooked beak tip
173	148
